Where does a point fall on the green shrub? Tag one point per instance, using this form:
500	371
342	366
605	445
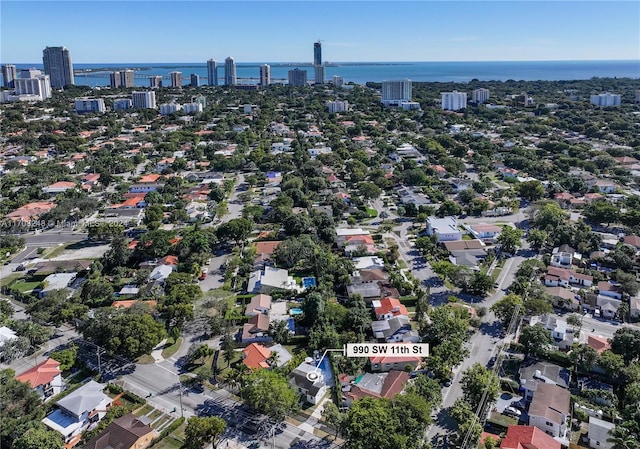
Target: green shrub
132	397
168	430
114	389
560	358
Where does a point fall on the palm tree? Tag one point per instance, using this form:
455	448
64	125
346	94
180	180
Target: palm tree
273	359
623	439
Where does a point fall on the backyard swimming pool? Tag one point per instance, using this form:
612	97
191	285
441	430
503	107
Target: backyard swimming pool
295	311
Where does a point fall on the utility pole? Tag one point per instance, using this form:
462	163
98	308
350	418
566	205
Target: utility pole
180	389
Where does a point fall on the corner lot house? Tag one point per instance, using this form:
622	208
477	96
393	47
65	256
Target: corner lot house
126	432
45	378
77	411
446	229
311	391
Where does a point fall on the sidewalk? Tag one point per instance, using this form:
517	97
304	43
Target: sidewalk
156	353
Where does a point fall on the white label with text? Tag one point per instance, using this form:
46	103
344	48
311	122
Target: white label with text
387	349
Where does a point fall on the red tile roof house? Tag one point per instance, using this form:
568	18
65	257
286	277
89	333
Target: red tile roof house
59	187
31	211
632	240
384	363
378	385
255	356
528	437
264	251
387	308
45	378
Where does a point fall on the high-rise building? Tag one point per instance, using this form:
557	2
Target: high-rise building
265	75
317	53
9	74
230	78
58	65
127	78
192	108
395	92
606	99
212	72
39	86
297	77
200	99
195	80
319	74
176	79
122	104
144	100
338	81
155	81
480	96
83	105
30	73
114	80
170	108
337	106
453	101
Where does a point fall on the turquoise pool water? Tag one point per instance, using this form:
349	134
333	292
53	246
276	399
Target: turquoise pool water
295	311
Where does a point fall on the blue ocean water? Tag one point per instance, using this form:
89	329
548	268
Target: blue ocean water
361	73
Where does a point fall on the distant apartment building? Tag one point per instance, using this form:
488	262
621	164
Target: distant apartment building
317	53
58	65
230	77
84	105
155	81
337	106
265	75
114	80
30	73
338	81
479	96
39	86
9	74
176	79
297	77
319	73
127	78
606	99
212	72
454	101
143	100
170	108
192	108
395	92
195	80
121	104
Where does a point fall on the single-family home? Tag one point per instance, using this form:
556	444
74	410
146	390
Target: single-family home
563	199
368	262
600	344
632	240
528	437
600	433
259	304
6	335
560	332
145	187
127	432
464	245
550	409
308	380
485	231
375	385
563	277
610	289
59	187
387	308
161	273
56	281
31	211
342	234
370	291
563	298
383	363
471	258
608	305
369	275
271	278
256	329
359	244
535	374
255	356
264	251
394	330
45	378
446	229
562	257
78	410
634	307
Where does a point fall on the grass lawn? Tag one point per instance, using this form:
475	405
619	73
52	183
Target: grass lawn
174	440
495	273
53	252
466	237
25	286
142	411
372	212
401	263
172	349
7	280
146	359
155	414
217	293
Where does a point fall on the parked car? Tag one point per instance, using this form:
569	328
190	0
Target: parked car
512	411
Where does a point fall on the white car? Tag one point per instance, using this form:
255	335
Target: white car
512	411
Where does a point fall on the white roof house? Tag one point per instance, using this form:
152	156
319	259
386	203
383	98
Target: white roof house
77	411
446	229
263	281
6	335
599	433
161	272
57	281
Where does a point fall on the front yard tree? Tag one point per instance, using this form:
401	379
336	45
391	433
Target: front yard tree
21	406
535	339
480	284
333	416
583	357
506	308
476	381
201	431
537	238
509	239
369	191
531	190
626	342
270	393
237	229
39	437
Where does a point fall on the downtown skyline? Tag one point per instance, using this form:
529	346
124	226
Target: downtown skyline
349	31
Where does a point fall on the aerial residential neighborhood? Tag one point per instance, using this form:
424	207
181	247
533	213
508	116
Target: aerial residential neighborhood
184	265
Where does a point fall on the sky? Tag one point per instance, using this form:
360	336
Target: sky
142	31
